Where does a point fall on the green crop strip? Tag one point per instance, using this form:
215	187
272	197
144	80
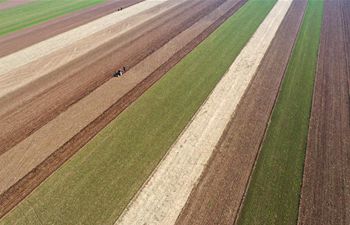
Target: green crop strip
274	192
30	14
97	183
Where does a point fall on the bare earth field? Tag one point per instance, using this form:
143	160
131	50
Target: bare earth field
326	185
12	3
162	198
218	196
87	109
27	37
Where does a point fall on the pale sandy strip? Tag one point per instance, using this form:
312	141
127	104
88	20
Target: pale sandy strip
44	48
23	75
164	195
25	156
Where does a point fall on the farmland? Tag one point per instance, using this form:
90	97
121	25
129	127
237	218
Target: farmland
140	129
229	186
27	15
325	193
174	112
283	150
22	38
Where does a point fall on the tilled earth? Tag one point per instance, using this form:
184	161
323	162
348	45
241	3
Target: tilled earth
326	185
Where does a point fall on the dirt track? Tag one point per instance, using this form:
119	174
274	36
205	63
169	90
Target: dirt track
24	187
27	37
326	185
12	3
173	180
90	71
219	193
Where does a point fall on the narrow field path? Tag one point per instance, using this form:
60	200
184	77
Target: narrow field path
326	185
219	193
162	198
122	91
24	38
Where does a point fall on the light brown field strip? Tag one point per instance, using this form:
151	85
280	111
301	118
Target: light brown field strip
24	38
219	193
88	109
326	185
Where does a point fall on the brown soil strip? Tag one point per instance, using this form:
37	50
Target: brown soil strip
25	186
326	183
92	70
12	3
218	196
27	37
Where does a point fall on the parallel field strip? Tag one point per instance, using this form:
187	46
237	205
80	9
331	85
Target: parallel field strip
44	48
274	190
163	196
24	38
326	183
24	16
218	196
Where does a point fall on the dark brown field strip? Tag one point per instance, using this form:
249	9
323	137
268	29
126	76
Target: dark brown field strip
92	70
27	37
26	185
325	195
218	196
